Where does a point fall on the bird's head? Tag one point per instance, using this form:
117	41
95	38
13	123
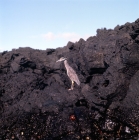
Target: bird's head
61	59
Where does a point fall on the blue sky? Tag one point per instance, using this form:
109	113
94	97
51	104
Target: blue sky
42	24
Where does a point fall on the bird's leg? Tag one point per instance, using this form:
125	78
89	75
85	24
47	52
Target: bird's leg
72	85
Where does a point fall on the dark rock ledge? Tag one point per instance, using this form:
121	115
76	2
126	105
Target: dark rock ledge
35	103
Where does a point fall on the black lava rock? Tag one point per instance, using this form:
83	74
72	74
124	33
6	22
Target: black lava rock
35	102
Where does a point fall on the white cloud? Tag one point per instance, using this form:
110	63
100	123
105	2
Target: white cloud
49	36
68	36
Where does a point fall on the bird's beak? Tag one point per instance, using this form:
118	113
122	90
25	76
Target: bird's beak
57	61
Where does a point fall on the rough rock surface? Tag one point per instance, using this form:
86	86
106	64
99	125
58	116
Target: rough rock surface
35	103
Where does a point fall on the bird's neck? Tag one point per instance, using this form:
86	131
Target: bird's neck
66	64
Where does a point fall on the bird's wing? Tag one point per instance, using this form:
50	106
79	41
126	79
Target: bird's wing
72	75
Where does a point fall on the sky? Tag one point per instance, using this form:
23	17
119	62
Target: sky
42	24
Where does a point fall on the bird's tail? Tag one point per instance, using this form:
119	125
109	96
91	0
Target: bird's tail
78	82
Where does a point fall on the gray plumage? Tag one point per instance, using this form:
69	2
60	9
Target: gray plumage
70	72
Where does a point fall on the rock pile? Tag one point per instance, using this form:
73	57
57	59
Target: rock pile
35	102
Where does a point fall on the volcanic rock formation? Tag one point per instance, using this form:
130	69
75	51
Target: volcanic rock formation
35	102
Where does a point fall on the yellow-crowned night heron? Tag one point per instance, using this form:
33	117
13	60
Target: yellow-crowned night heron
70	72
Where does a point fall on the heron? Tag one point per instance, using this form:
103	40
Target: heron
70	72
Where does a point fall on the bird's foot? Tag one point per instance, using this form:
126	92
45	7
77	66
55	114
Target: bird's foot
70	89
